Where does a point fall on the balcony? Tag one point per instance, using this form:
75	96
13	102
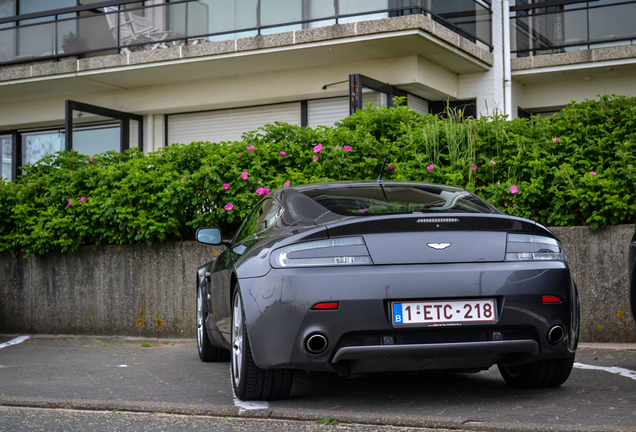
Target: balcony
111	27
571	25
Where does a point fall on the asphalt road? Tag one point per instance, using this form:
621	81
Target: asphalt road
103	374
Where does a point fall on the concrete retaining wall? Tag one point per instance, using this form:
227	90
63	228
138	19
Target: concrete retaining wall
136	290
145	290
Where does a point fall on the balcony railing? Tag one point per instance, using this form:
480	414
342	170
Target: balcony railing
113	26
575	26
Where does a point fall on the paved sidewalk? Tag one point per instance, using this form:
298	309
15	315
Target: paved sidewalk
148	375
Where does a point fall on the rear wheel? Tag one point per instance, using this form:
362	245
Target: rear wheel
251	382
207	351
545	373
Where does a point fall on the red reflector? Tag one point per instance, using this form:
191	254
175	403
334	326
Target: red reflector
551	299
326	306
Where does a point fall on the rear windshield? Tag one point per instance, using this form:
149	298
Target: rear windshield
393	199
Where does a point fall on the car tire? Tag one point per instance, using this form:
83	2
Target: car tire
251	382
207	351
545	373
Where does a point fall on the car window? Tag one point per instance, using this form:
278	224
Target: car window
393	199
262	217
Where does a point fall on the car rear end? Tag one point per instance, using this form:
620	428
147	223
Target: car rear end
393	290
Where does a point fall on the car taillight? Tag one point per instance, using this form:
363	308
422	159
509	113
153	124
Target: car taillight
524	247
330	252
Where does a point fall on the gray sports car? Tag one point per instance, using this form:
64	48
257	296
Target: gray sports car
362	277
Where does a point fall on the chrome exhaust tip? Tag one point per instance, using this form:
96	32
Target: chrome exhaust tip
556	334
316	343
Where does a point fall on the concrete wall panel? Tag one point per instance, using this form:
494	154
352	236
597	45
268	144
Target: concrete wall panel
142	290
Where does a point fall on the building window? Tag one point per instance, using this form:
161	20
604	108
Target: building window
6	157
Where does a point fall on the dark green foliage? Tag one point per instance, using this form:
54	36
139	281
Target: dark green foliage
167	195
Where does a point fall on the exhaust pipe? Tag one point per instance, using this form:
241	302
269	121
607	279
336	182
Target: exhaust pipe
556	334
316	343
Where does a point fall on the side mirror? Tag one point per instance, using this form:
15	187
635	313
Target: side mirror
210	235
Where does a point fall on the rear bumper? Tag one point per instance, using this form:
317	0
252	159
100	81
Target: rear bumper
462	355
279	317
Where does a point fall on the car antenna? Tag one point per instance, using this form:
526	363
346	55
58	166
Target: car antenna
380	179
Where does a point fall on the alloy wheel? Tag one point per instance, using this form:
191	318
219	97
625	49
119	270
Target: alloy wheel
237	339
200	319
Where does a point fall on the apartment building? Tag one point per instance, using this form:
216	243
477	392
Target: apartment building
98	75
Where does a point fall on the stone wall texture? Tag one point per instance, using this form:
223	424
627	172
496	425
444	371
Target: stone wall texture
142	290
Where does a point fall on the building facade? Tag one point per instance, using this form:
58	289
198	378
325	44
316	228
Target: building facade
98	75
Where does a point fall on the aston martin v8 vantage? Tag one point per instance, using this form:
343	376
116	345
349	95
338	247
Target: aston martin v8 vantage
361	277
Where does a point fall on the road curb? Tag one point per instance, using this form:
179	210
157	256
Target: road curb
452	423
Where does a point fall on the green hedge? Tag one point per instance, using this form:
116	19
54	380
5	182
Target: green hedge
576	168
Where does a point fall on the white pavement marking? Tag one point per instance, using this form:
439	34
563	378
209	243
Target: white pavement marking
246	405
616	370
15	341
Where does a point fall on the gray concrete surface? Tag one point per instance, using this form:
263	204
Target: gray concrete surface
62	420
573	57
599	264
141	290
88	373
136	290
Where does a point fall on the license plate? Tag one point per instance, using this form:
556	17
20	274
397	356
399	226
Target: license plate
444	311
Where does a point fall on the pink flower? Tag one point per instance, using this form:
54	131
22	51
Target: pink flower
513	189
317	148
229	207
347	148
430	167
91	159
266	190
286	184
260	191
250	148
226	186
557	140
473	167
363	210
69	203
283	153
315	158
244	175
181	178
494	163
391	167
82	199
592	173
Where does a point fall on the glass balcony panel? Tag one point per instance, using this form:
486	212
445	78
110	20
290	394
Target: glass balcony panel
7	8
153	24
94	33
6	156
612	22
320	9
276	12
97	139
361	7
230	17
32	6
466	15
36	40
553	30
67	37
572	25
36	145
7	44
